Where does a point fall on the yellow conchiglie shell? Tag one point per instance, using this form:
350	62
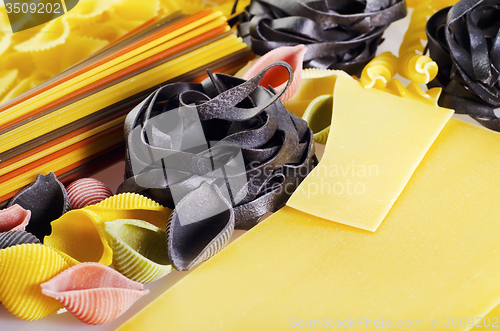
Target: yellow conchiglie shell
132	206
23	268
68	259
80	233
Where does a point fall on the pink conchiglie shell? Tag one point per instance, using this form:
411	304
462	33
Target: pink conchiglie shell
87	191
14	218
94	293
277	77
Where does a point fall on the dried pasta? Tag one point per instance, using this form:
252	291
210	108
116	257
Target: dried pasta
379	71
88	27
413	64
413	91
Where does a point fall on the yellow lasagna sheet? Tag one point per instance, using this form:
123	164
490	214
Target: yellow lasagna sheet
375	143
435	257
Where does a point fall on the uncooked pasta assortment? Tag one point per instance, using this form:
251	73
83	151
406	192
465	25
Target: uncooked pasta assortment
358	193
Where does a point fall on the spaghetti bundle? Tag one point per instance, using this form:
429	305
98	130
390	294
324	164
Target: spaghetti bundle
72	124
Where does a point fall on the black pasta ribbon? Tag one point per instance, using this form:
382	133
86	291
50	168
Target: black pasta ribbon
339	34
243	119
464	40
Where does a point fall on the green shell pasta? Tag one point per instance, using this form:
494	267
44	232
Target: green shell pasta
318	116
139	249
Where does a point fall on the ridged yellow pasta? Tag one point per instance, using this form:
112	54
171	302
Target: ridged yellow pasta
379	71
80	233
413	91
413	64
23	268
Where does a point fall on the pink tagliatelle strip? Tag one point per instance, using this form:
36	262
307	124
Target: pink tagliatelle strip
277	77
14	218
94	293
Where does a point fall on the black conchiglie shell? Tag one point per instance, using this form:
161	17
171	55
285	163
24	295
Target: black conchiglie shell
47	200
12	238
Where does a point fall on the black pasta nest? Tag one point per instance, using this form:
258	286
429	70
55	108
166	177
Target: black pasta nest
221	153
338	34
464	40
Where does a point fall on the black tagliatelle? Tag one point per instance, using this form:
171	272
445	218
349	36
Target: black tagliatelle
221	153
338	34
464	40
